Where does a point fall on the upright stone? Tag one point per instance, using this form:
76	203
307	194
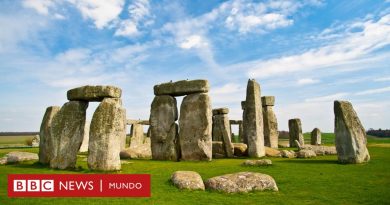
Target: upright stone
222	124
315	137
295	132
84	144
46	149
163	129
94	93
253	120
68	130
351	140
243	136
196	127
136	135
105	136
271	134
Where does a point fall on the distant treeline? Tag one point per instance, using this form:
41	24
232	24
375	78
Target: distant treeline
18	133
379	133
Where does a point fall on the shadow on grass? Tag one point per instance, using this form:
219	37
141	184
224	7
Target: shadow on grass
39	166
311	161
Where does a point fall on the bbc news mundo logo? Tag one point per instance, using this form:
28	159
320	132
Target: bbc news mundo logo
79	185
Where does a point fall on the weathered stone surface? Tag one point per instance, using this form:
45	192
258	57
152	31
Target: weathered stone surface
271	133
319	150
288	154
35	141
220	111
306	153
94	93
187	180
351	140
108	126
46	149
67	129
243	105
268	101
218	149
315	137
240	149
253	120
295	132
142	122
257	163
163	129
195	127
222	132
16	157
137	135
183	87
141	151
84	144
242	182
271	152
242	135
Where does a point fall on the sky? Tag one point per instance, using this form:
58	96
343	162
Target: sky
305	53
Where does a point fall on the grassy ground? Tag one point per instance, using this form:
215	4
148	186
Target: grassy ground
301	181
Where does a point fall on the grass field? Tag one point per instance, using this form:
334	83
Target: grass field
301	181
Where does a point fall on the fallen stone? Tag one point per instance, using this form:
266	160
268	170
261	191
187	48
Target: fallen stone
253	120
163	128
139	152
196	127
94	93
240	149
271	152
295	132
187	180
183	87
315	137
260	162
16	157
306	153
351	139
105	137
46	147
319	150
288	154
68	131
242	182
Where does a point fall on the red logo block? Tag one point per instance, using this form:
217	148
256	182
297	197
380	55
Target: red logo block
78	185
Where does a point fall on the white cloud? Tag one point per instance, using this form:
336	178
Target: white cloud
40	6
307	81
101	12
194	41
374	91
327	98
383	79
353	46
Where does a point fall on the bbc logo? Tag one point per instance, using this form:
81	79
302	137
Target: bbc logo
33	185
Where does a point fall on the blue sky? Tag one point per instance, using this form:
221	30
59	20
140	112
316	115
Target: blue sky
305	53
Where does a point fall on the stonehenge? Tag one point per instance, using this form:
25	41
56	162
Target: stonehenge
350	136
63	130
271	134
253	120
84	144
240	128
221	130
315	137
192	138
295	132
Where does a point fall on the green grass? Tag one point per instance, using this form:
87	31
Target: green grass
15	140
301	181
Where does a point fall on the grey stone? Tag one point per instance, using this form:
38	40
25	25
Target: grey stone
35	141
288	154
84	144
257	163
220	111
253	120
163	129
315	137
295	132
306	153
46	149
94	93
108	126
222	132
319	150
68	130
268	101
137	136
187	180
351	139
142	122
196	127
141	151
183	87
242	182
271	133
16	157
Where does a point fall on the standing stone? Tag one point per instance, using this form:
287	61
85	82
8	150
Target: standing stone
315	137
271	134
253	120
351	140
136	135
68	130
295	132
105	136
196	127
222	124
163	129
242	137
84	144
46	149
